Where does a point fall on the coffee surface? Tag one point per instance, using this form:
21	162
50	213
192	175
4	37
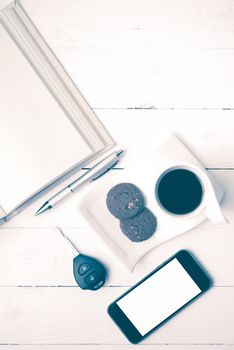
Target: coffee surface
179	191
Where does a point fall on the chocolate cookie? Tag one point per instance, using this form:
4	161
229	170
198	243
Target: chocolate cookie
125	201
140	227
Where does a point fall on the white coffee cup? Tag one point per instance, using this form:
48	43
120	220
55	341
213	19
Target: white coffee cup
208	204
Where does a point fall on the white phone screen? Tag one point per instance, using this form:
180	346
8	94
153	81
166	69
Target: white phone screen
158	297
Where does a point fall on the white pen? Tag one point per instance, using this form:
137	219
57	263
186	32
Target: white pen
92	174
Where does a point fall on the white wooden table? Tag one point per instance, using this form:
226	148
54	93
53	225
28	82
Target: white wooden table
147	68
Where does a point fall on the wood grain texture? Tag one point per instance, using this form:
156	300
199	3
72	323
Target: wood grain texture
70	316
148	68
41	257
171	23
152	78
68	214
170	54
117	347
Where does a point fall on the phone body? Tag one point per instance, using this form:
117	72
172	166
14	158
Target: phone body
159	296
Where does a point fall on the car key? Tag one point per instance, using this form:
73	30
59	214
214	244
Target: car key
88	272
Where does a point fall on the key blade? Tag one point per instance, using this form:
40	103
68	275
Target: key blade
69	241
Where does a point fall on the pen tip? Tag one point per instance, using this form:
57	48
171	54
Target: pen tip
119	152
43	208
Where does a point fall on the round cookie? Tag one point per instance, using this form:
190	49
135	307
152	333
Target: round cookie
124	201
140	227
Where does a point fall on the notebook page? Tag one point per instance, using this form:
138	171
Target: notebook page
38	142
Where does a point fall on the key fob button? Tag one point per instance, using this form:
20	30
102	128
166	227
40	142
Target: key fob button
92	278
99	284
83	268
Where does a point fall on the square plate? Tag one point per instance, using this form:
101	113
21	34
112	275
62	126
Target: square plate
144	175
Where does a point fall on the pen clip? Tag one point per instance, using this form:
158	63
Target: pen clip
104	171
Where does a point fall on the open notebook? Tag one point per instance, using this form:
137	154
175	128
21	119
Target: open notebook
47	129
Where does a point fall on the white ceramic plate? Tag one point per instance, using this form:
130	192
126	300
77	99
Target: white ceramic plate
144	175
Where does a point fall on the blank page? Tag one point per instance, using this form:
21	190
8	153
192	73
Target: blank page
38	142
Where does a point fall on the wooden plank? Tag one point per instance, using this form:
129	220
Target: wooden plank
166	48
72	316
163	55
124	24
117	347
68	215
152	78
41	257
167	55
208	134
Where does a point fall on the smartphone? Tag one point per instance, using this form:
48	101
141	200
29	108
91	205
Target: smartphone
159	296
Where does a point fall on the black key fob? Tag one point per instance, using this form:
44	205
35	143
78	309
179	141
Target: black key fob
89	273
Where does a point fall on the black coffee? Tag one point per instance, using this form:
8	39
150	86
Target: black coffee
179	191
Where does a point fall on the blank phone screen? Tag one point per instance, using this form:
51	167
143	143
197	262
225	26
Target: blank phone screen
158	297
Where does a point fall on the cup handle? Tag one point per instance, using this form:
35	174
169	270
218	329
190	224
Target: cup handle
213	210
215	214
